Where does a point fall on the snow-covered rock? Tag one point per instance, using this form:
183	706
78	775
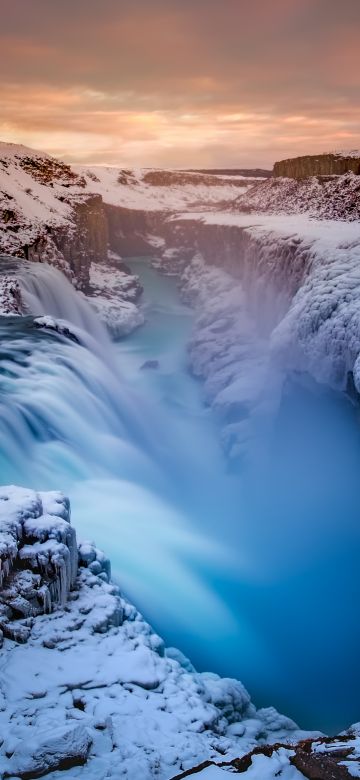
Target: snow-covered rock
61	749
321	198
273	295
225	351
46	215
112	292
38	557
94	692
325	758
10	296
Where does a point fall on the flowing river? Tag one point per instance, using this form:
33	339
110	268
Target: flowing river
255	579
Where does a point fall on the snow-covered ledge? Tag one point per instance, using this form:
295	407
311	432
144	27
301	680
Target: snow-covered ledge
90	687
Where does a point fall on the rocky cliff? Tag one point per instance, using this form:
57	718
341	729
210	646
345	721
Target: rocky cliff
318	165
46	215
272	295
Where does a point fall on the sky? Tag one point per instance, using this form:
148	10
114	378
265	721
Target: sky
182	83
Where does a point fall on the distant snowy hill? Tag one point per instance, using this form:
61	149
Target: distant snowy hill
335	197
160	190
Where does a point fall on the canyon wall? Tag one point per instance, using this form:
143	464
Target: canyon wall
317	165
132	231
74	247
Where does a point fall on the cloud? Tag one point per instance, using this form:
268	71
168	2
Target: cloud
180	82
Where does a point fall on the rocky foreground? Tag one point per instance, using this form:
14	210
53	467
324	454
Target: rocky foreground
324	758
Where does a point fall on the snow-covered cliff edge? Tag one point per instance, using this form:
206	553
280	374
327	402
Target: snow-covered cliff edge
273	295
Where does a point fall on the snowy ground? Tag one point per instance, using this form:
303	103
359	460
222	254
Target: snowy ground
325	758
319	197
134	189
93	689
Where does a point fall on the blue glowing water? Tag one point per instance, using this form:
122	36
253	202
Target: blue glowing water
255	578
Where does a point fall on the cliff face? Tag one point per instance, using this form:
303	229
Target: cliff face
273	295
73	247
281	265
317	165
45	214
132	231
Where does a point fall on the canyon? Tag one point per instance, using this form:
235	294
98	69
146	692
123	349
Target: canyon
266	299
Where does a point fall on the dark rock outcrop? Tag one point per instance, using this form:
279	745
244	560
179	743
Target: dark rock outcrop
317	165
77	245
131	231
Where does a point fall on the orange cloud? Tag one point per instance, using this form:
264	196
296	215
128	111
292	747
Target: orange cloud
179	82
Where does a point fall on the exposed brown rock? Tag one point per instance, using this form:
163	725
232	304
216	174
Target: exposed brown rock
317	165
327	765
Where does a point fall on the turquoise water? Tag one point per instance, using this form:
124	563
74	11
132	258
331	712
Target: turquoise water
253	575
293	637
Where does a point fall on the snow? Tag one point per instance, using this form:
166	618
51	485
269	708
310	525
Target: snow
113	292
251	332
347	153
225	350
94	689
322	757
129	189
10	296
261	768
30	201
335	198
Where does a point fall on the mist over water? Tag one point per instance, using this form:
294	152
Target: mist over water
252	574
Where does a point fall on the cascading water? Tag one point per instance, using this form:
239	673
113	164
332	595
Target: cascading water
227	571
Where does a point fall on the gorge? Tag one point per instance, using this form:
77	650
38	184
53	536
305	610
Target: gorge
220	547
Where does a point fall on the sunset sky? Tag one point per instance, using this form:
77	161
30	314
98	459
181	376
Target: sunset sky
180	82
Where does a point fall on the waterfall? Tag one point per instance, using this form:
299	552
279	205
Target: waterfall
247	578
69	421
